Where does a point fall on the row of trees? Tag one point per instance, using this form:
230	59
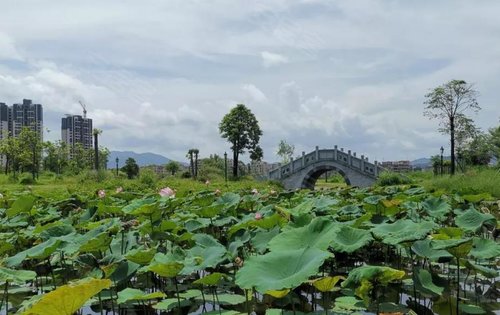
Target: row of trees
27	153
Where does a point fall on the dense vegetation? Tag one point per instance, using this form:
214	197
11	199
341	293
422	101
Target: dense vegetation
142	247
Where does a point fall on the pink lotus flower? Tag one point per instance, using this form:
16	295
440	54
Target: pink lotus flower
119	189
207	182
258	216
101	193
167	192
218	192
255	191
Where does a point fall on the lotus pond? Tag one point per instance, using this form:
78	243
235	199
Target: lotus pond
393	250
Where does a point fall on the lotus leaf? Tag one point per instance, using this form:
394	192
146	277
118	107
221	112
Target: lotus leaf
140	255
67	299
229	200
22	204
262	238
364	277
207	253
348	239
211	279
484	248
402	231
436	208
170	304
457	247
166	265
284	269
471	309
326	284
230	299
485	271
423	282
348	304
16	276
40	251
423	249
472	220
130	294
477	198
100	242
278	293
318	234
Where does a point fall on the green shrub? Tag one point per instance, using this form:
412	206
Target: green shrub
186	174
390	179
26	179
148	178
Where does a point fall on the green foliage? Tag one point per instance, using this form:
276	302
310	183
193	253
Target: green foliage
148	178
26	179
173	167
130	168
285	151
241	129
391	178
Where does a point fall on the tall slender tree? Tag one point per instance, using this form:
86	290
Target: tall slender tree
241	129
448	103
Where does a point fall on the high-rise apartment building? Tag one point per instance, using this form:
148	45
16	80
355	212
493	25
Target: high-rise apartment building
76	129
14	118
28	115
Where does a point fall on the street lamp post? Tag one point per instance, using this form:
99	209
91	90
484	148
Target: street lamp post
442	150
117	160
225	167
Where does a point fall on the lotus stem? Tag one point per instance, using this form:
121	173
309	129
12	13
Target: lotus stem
458	282
177	293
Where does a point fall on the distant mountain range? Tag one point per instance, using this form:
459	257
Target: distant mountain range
142	159
421	163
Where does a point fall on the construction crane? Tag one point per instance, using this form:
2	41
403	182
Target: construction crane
84	109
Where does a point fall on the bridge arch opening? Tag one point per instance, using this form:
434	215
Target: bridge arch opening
313	175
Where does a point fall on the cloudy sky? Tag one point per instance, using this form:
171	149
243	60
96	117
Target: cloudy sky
158	76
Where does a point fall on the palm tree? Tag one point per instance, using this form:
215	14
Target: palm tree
96	132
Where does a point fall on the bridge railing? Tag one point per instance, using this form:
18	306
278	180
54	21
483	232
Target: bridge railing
349	159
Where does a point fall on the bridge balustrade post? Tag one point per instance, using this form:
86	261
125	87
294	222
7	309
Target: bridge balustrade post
349	157
354	154
375	171
281	172
317	153
362	163
335	153
303	159
291	165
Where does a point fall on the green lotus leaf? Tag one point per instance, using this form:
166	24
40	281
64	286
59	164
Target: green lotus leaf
402	231
207	253
190	294
167	265
459	248
485	271
318	234
171	303
16	276
22	204
363	279
348	239
284	269
436	208
141	256
447	233
423	249
350	210
262	238
40	251
130	294
423	282
373	200
99	243
415	191
484	248
136	204
211	279
229	200
230	299
348	304
472	220
470	309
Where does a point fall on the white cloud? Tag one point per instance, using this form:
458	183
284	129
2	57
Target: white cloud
254	93
8	49
271	59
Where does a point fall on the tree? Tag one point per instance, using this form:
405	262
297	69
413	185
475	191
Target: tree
11	149
31	150
241	129
478	150
494	142
190	156
173	167
195	152
285	151
130	168
96	132
448	103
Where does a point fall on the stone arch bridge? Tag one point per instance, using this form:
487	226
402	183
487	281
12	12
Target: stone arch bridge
304	171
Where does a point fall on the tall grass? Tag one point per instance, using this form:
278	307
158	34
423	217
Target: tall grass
473	181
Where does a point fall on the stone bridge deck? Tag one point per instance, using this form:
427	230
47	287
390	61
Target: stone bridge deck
304	171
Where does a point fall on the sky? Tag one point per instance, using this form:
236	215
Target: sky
158	76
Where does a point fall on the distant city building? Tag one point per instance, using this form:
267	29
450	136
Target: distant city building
261	168
397	166
14	118
76	129
28	115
